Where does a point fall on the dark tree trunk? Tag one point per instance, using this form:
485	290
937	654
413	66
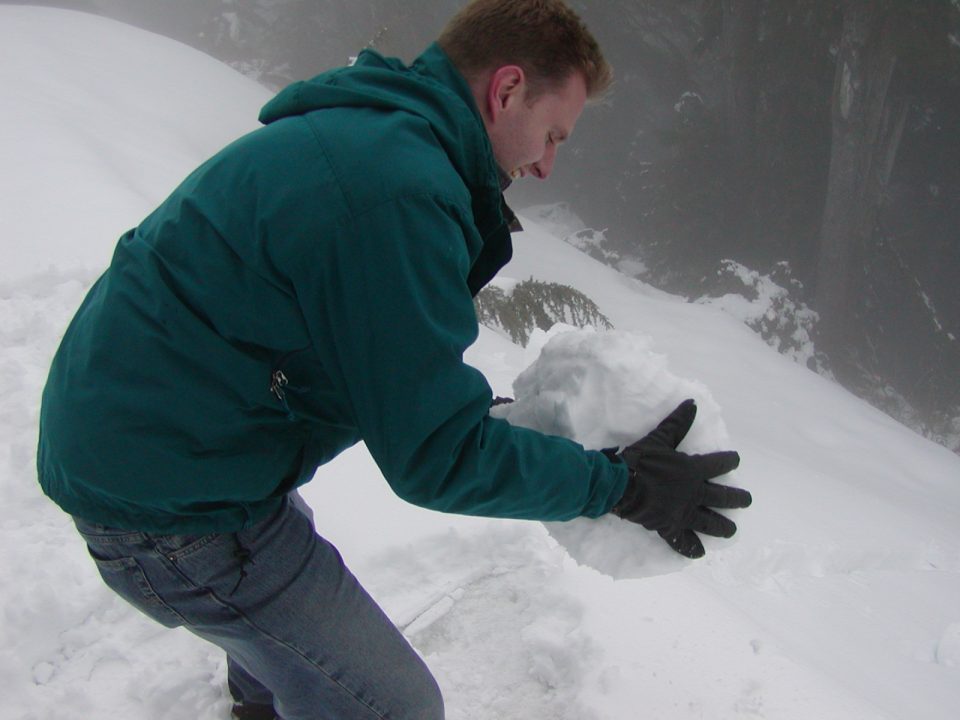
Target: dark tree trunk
739	50
739	45
867	127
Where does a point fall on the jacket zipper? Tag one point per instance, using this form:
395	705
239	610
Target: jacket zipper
278	381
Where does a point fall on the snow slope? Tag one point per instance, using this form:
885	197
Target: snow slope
838	598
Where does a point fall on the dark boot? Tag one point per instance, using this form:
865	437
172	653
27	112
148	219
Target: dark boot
252	711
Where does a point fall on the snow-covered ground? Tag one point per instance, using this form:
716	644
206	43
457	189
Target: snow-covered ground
838	598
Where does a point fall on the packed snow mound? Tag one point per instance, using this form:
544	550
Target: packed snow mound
603	390
100	121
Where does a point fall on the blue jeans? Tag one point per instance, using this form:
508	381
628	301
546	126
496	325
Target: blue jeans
298	629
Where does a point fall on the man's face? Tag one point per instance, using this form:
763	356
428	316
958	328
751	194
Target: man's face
525	136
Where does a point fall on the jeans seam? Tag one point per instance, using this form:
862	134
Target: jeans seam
243	617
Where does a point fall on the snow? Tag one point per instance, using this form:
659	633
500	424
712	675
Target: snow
785	324
158	105
838	597
948	649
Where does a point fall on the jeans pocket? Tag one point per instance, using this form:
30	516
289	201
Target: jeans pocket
125	577
178	547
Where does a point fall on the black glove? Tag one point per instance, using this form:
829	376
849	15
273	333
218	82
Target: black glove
668	491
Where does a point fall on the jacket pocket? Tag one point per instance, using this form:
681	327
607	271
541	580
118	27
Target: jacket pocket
283	368
301	387
303	391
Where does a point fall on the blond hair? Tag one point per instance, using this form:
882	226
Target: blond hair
544	37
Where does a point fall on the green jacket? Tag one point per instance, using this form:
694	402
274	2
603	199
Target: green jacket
308	287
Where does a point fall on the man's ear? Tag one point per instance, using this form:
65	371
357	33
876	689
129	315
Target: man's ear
507	86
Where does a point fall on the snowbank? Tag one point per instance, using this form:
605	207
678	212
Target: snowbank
100	120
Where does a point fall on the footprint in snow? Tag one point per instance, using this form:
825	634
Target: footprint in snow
489	615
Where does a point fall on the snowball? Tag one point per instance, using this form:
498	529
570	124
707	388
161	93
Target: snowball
608	389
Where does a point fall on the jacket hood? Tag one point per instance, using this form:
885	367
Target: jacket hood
431	87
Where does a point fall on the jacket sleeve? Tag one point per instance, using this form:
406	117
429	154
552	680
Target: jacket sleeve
390	314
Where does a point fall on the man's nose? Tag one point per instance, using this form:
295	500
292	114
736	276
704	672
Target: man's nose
544	166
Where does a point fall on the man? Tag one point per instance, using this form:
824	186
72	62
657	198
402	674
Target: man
308	287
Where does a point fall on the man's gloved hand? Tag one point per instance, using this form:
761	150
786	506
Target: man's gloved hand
670	492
